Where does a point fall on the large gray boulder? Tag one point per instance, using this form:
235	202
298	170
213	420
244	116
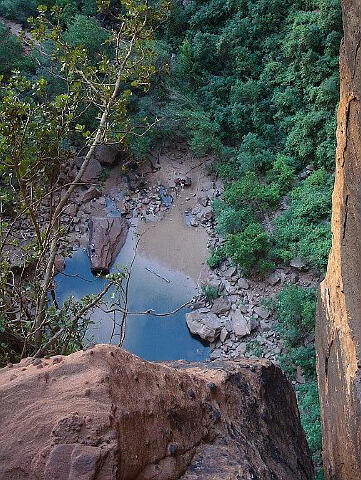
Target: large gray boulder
204	324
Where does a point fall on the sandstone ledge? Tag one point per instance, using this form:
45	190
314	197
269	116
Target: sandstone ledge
105	414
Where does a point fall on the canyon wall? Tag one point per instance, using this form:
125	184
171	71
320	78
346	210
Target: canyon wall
103	414
338	325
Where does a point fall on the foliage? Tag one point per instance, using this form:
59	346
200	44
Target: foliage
39	131
18	10
249	248
309	406
295	307
210	292
11	53
86	32
303	229
216	258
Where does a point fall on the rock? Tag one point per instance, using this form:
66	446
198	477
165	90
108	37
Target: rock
221	306
243	284
71	210
240	350
230	272
300	378
224	335
262	312
264	326
106	238
92	172
183	181
273	279
298	263
205	325
206	214
59	263
241	325
202	200
90	194
338	333
103	412
108	155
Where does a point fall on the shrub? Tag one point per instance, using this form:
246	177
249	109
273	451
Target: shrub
19	10
248	248
86	32
303	230
11	53
210	292
309	406
230	220
281	173
250	192
295	309
216	258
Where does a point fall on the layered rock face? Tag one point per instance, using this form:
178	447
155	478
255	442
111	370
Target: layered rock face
338	328
104	414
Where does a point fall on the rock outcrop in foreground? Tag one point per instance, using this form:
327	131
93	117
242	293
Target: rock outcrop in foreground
338	328
104	414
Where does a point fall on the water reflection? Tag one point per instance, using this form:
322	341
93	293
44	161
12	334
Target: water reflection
152	286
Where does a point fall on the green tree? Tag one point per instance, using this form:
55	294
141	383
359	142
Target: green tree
37	135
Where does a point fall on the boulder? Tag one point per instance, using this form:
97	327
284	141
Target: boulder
59	264
241	325
338	325
273	279
221	306
206	214
92	172
107	155
243	284
298	263
103	414
90	194
106	238
205	325
262	312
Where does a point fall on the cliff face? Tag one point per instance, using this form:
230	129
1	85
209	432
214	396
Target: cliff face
338	326
104	414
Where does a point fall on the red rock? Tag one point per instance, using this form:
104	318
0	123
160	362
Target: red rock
92	172
338	325
90	194
149	421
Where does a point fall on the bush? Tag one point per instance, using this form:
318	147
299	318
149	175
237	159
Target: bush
86	32
304	230
210	292
248	248
309	406
11	53
230	220
216	258
250	192
18	10
295	308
